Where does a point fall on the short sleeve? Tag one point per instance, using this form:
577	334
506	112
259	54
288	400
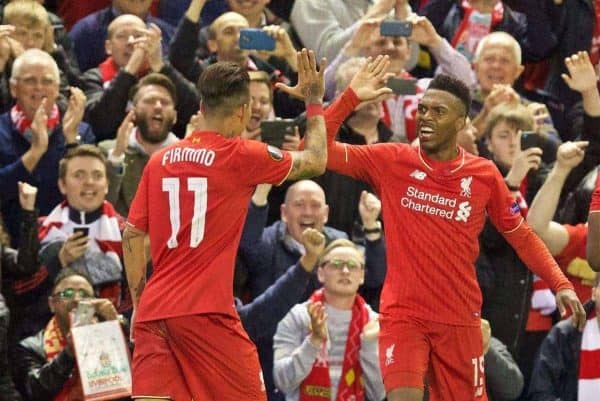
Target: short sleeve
138	212
259	163
502	208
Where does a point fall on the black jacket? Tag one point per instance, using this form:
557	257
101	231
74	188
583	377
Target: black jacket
556	370
107	107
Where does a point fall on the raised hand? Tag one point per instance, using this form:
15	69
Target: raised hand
526	160
371	330
74	114
369	207
123	134
152	46
369	81
5	50
423	31
314	242
27	195
139	54
318	323
570	154
39	129
500	94
284	47
581	77
73	248
311	83
363	37
568	298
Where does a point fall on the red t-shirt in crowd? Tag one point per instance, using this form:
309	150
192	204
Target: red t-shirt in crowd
573	261
192	201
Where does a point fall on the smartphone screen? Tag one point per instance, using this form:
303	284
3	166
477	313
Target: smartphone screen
395	28
256	39
530	139
84	230
402	86
274	132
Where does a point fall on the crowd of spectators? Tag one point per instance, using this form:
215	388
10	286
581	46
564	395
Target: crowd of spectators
90	90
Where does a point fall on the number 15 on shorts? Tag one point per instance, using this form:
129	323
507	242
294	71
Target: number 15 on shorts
478	375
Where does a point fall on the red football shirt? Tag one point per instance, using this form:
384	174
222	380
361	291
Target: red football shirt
192	201
434	212
573	261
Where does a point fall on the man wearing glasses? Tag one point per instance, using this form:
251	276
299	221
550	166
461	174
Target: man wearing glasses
328	345
46	361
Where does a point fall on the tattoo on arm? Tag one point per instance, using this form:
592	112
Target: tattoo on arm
312	160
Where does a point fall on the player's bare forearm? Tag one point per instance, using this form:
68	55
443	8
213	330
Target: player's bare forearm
593	240
543	208
134	254
311	161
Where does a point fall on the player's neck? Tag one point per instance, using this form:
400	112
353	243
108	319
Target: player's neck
218	125
442	155
343	302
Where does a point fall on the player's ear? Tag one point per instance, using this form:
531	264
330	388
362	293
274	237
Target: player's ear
460	123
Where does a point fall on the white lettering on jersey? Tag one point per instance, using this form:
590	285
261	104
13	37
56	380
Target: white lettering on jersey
189	155
464	211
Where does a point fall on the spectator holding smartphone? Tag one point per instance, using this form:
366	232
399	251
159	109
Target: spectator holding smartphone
84	184
46	361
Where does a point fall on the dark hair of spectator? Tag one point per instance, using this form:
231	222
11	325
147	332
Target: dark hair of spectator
223	87
157	79
67	272
454	86
79	151
597	281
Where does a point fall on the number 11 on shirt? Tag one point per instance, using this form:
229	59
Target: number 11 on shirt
197	185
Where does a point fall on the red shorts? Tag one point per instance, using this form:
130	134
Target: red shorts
201	357
450	356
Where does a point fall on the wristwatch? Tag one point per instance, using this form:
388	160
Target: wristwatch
374	230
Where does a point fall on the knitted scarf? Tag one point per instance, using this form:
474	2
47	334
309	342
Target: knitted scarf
105	239
589	361
54	343
317	385
23	124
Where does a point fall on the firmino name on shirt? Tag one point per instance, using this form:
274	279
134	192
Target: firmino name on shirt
189	155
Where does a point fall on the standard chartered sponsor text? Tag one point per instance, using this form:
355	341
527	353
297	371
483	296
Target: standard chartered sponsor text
420	201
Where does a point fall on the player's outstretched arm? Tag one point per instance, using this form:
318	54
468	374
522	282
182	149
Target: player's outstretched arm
312	160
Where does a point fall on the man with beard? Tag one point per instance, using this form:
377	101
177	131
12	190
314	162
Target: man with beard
134	51
145	129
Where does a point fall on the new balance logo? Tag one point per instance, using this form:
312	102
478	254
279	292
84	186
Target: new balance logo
463	212
418	174
389	355
465	186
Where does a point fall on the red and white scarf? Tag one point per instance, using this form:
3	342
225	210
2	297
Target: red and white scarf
22	123
317	385
105	231
54	343
105	235
589	361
